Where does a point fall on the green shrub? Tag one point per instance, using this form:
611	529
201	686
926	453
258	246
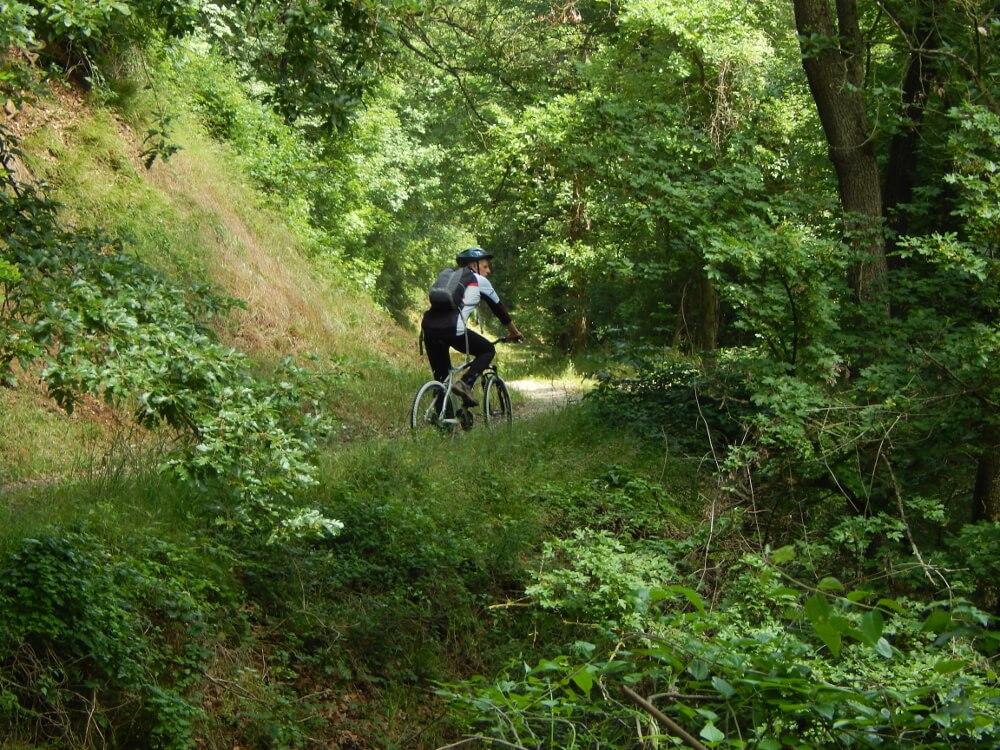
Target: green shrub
76	31
825	667
973	554
619	501
593	577
662	396
99	641
104	324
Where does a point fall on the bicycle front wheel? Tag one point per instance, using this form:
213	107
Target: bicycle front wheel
497	409
428	410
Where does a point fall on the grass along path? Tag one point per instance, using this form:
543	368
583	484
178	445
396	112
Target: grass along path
539	396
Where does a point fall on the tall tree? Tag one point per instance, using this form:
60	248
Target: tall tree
936	59
833	58
316	58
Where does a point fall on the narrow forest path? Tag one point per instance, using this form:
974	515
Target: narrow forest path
540	396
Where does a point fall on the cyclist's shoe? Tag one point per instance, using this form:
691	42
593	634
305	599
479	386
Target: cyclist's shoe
465	419
464	390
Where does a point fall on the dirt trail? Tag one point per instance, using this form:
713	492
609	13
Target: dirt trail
542	396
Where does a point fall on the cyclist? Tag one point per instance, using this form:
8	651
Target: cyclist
447	330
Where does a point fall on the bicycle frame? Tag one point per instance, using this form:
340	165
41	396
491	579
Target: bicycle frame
453	373
462	415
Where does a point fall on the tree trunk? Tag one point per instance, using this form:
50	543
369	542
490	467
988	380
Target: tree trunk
986	497
708	320
831	56
698	316
900	172
577	331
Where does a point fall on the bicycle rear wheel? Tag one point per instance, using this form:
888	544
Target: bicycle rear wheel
431	410
497	410
428	410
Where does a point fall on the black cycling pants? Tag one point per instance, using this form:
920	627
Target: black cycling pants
440	343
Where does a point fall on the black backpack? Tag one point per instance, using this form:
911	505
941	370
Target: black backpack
447	292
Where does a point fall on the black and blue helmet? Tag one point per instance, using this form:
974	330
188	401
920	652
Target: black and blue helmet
471	255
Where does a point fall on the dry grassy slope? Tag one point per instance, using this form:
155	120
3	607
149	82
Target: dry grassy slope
200	205
254	259
250	253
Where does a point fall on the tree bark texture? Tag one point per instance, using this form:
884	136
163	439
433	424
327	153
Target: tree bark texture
920	76
575	335
697	324
986	497
834	66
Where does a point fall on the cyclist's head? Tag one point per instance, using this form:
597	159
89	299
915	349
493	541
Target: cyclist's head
472	255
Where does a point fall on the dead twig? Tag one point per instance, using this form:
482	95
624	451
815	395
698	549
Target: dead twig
487	740
672	726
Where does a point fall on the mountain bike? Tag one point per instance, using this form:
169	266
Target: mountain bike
438	406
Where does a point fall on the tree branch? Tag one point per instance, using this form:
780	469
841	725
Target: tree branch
676	729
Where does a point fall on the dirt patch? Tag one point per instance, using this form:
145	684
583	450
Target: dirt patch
541	396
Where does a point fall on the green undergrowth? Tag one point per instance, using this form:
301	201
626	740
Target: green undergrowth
520	586
139	608
197	220
34	435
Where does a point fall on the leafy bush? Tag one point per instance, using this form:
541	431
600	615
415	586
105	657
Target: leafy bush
692	406
155	644
74	32
316	60
619	501
593	577
102	323
97	641
974	555
825	667
787	287
15	29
